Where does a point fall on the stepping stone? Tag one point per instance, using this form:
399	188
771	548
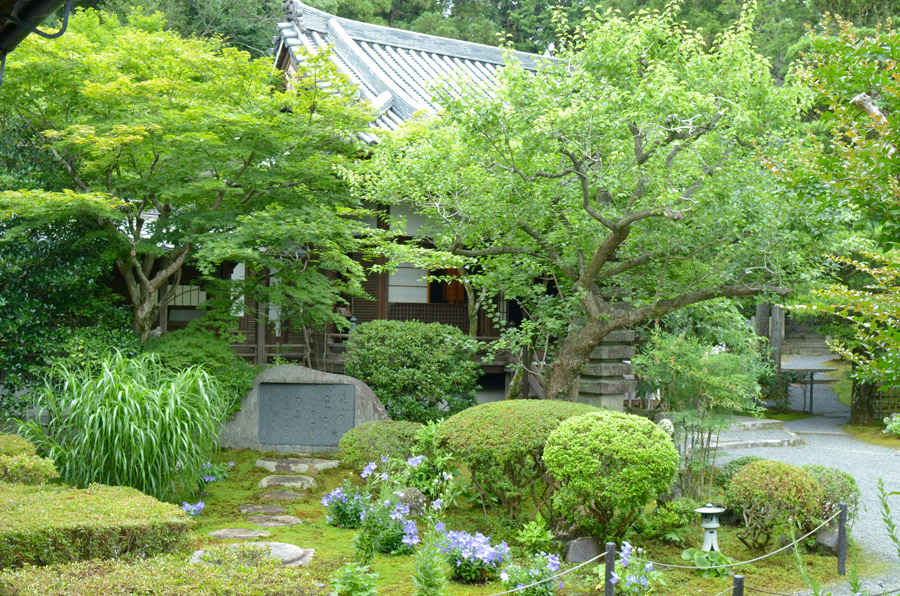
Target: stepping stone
288	554
288	481
296	465
264	509
281	495
274	521
238	533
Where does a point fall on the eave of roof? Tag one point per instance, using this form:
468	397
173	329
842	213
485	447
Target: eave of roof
392	68
33	12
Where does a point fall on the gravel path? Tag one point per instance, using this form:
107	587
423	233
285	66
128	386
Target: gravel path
828	445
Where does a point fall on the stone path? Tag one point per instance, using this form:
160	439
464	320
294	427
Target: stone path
285	481
262	509
274	521
281	495
288	554
296	465
238	534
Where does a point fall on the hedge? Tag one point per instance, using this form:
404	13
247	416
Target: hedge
46	524
27	469
371	440
502	443
166	575
15	445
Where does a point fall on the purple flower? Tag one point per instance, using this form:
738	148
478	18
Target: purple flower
384	459
367	471
231	464
643	581
648	566
415	461
553	563
560	586
437	504
207	478
400	511
440	527
447	476
614	578
384	476
193	510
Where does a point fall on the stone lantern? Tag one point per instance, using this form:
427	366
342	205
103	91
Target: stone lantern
709	521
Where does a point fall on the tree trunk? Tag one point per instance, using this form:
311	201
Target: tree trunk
762	319
777	339
142	287
574	352
862	401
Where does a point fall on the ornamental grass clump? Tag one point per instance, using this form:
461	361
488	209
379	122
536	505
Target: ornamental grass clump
128	422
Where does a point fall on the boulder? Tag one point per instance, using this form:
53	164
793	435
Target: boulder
288	554
300	482
274	521
262	509
416	501
281	495
583	549
238	534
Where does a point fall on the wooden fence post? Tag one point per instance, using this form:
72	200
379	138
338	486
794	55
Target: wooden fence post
737	586
842	540
608	587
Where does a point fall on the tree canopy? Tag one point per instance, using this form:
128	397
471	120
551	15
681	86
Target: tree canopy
625	175
199	148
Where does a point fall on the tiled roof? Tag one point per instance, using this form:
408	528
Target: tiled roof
393	68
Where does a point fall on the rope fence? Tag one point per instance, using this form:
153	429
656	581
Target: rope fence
737	588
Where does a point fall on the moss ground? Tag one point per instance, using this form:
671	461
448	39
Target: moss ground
872	433
334	546
785	416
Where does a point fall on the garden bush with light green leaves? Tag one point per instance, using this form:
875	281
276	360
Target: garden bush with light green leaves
128	422
19	462
609	466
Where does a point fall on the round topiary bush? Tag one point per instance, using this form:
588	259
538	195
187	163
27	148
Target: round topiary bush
371	440
15	445
609	466
727	472
27	469
837	487
502	443
773	496
419	371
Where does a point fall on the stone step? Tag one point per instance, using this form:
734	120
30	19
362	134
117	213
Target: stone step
753	443
288	554
274	521
296	465
756	424
281	495
263	509
238	534
301	482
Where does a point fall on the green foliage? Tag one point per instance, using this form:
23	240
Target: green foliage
198	345
419	371
26	469
53	300
236	573
837	487
233	164
727	472
502	443
535	537
16	445
354	580
891	425
670	521
609	466
701	384
372	440
128	422
430	571
64	524
773	497
678	213
703	561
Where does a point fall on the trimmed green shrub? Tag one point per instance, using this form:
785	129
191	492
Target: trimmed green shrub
46	524
773	496
26	469
609	466
419	371
727	471
233	574
128	422
372	440
502	443
837	487
16	445
669	520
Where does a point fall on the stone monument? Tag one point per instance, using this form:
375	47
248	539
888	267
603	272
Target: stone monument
294	409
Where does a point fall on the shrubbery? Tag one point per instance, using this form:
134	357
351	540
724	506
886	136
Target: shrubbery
16	445
669	520
46	524
727	472
26	469
609	465
773	496
128	422
371	440
502	443
234	574
837	487
419	371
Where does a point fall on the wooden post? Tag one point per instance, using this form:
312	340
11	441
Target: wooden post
777	338
762	319
737	586
608	587
842	540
